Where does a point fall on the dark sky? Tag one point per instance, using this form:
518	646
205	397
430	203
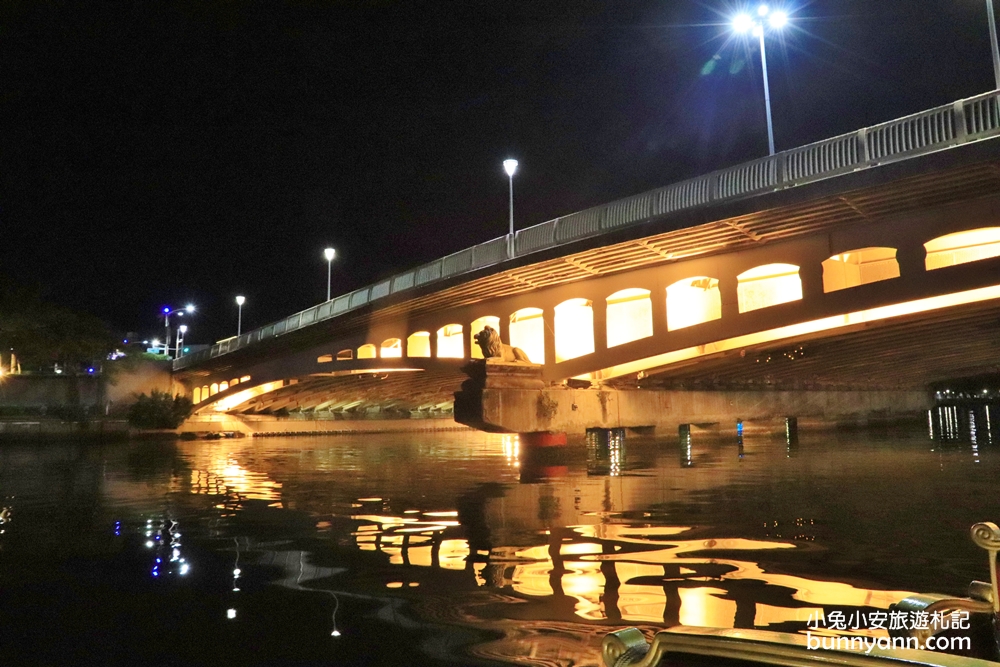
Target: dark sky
158	152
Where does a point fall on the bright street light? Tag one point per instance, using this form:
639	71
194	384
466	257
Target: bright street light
510	166
993	42
167	312
776	20
181	330
329	253
240	300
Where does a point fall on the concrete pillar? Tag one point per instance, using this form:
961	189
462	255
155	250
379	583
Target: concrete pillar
549	318
658	302
600	310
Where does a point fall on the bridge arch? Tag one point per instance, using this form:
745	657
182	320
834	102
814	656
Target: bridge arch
527	331
450	342
768	285
693	301
859	267
345	355
962	247
629	316
366	351
477	326
392	348
574	327
418	344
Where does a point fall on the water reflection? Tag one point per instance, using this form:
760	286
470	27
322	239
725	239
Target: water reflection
543	548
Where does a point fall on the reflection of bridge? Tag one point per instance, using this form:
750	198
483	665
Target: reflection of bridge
864	261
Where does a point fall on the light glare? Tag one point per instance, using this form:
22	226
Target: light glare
763	10
329	253
190	308
778	20
742	23
510	166
240	300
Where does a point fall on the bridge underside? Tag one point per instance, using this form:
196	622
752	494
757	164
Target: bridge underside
903	354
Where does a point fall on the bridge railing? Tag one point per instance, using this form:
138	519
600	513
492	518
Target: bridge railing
964	121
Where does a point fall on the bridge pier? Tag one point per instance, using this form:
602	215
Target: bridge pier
511	398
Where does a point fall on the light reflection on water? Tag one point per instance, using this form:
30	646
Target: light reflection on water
709	531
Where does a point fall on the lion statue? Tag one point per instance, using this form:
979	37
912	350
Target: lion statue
493	348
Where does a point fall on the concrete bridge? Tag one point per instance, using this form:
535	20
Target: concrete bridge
850	272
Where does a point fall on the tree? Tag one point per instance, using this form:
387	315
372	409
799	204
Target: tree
42	334
159	410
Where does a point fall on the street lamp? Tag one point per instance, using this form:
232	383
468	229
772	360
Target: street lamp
167	312
993	42
181	330
329	253
510	166
240	300
744	23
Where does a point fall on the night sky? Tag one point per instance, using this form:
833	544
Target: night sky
158	152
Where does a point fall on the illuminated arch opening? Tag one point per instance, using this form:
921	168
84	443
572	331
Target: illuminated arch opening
196	395
527	331
324	359
693	301
574	329
419	344
345	355
962	247
451	344
392	348
475	328
630	316
214	389
245	378
366	351
859	267
234	381
768	285
205	393
223	386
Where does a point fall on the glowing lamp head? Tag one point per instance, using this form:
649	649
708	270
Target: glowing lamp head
183	328
763	10
189	308
240	300
743	23
778	20
758	30
156	341
166	309
329	253
510	166
335	633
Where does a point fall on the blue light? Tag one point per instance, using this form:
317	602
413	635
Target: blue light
90	370
166	309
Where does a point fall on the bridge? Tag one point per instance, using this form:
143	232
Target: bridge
859	268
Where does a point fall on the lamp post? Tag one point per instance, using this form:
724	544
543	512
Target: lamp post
167	312
744	23
993	42
181	330
510	166
329	253
240	300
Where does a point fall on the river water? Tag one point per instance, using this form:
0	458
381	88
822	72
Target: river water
461	548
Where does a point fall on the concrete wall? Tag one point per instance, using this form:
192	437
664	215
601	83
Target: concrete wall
57	391
575	410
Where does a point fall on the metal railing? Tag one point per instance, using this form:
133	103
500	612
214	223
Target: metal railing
964	121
